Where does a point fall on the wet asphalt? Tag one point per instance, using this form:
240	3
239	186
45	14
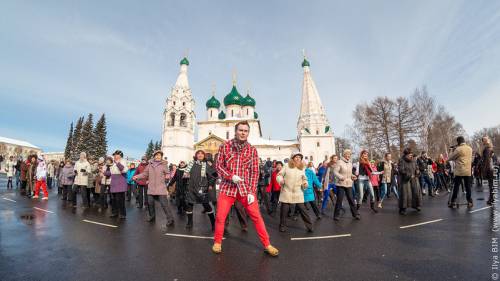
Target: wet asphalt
59	245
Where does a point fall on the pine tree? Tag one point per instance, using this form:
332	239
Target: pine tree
87	139
157	146
77	136
69	143
100	141
150	150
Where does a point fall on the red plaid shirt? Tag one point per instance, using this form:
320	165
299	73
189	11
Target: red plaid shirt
241	160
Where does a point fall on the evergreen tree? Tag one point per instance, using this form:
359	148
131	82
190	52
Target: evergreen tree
100	140
77	136
69	143
150	150
157	146
87	139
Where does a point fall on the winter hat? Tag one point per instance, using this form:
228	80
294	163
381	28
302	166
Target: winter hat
158	151
83	154
118	152
297	154
144	158
101	160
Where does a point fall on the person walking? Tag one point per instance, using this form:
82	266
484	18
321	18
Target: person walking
82	170
274	188
201	180
66	178
310	193
31	174
141	197
10	169
130	182
104	189
118	187
155	174
238	165
293	182
50	174
462	155
41	179
363	174
344	182
410	194
329	188
181	184
387	170
487	170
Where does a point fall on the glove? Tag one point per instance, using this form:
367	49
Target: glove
250	199
236	179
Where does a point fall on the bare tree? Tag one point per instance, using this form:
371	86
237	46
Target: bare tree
444	130
425	110
405	121
493	133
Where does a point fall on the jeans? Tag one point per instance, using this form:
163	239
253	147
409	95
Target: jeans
275	196
362	184
224	204
118	204
326	195
426	180
141	196
164	203
341	190
383	191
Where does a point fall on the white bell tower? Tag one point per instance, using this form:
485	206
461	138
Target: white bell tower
179	120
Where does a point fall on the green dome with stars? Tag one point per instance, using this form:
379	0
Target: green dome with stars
184	61
213	103
222	115
248	101
233	98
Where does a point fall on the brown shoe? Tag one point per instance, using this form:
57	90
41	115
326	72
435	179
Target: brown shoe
270	250
217	248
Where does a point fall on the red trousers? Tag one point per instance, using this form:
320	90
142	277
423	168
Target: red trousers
224	204
44	187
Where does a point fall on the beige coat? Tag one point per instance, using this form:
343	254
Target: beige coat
82	178
343	172
463	160
291	190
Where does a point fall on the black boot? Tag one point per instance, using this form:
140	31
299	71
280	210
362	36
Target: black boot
189	224
372	206
212	220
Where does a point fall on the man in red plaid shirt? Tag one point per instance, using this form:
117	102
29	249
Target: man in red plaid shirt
238	166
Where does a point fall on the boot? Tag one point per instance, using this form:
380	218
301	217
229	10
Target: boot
357	206
212	220
372	206
189	224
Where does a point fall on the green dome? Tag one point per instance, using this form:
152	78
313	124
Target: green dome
213	103
222	115
248	101
305	63
184	61
255	115
233	98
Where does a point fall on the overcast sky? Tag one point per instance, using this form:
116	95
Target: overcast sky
63	59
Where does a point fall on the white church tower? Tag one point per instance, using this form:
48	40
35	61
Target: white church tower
179	120
314	131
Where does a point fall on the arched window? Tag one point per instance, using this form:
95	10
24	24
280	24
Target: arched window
317	132
171	122
317	144
247	111
183	104
183	122
227	135
232	112
210	113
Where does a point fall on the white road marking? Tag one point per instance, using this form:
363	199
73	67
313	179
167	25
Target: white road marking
422	223
480	209
8	199
321	237
100	223
191	236
43	210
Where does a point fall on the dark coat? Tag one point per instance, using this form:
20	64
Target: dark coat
201	189
410	194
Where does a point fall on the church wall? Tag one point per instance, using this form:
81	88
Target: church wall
309	147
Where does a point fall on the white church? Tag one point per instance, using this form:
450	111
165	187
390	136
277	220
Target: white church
314	138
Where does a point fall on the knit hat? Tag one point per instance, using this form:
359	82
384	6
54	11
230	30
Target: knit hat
158	151
297	154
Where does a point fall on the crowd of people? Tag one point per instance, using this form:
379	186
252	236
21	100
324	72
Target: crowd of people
235	179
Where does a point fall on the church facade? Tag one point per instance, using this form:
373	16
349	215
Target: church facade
314	135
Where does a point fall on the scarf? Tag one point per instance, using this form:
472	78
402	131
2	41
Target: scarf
238	146
203	164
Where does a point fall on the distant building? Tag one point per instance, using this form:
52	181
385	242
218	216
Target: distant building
12	147
53	156
314	134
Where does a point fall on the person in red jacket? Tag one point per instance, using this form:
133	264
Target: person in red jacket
274	188
238	166
141	198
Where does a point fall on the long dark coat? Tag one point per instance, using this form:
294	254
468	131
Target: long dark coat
410	194
201	189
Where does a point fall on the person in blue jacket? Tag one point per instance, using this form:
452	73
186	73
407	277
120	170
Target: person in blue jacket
130	181
309	193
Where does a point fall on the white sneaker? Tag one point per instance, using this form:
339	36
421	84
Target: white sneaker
35	197
45	198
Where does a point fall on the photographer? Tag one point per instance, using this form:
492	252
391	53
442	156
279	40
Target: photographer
462	155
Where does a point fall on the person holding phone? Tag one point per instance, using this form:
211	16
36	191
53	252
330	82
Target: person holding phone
82	170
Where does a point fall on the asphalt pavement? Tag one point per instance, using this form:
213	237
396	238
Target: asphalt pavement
49	240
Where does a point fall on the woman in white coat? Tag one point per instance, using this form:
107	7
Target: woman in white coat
293	180
82	170
10	169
